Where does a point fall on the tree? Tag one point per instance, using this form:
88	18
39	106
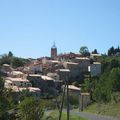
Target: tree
11	60
95	51
17	62
90	84
84	51
103	89
114	64
10	54
6	101
111	51
109	83
102	93
118	49
31	109
5	59
3	105
1	85
114	78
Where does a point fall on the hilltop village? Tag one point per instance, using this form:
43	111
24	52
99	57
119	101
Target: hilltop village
62	81
46	76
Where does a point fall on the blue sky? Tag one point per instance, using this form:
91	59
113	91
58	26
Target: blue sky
29	27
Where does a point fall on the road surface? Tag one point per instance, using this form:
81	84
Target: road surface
91	116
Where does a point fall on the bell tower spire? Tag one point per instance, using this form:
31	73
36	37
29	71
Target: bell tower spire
54	46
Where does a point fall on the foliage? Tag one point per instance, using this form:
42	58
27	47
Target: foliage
1	85
11	60
10	54
49	104
31	109
24	94
108	83
3	105
3	108
6	101
109	63
84	51
102	94
90	84
95	51
101	88
73	99
116	97
17	62
113	51
114	78
5	59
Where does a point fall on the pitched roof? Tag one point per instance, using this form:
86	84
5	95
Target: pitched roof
72	87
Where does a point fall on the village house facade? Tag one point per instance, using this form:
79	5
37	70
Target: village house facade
45	83
95	69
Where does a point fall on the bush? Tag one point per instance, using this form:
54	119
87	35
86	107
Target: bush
116	97
73	99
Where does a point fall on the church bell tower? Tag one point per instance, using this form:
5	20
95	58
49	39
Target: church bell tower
54	51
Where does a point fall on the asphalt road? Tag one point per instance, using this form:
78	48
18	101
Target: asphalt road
91	116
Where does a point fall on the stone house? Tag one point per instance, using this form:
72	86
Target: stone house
45	83
83	62
95	69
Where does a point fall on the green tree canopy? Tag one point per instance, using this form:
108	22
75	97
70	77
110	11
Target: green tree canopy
115	79
6	101
31	109
84	51
95	51
5	59
10	54
113	51
17	62
109	83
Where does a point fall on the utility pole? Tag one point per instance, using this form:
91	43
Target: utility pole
61	107
66	73
67	98
79	102
82	102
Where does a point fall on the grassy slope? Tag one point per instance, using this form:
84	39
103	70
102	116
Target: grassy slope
111	109
55	116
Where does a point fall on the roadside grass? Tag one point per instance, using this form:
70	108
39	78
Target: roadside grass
110	109
54	116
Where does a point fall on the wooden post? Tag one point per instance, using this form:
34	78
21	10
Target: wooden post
67	98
